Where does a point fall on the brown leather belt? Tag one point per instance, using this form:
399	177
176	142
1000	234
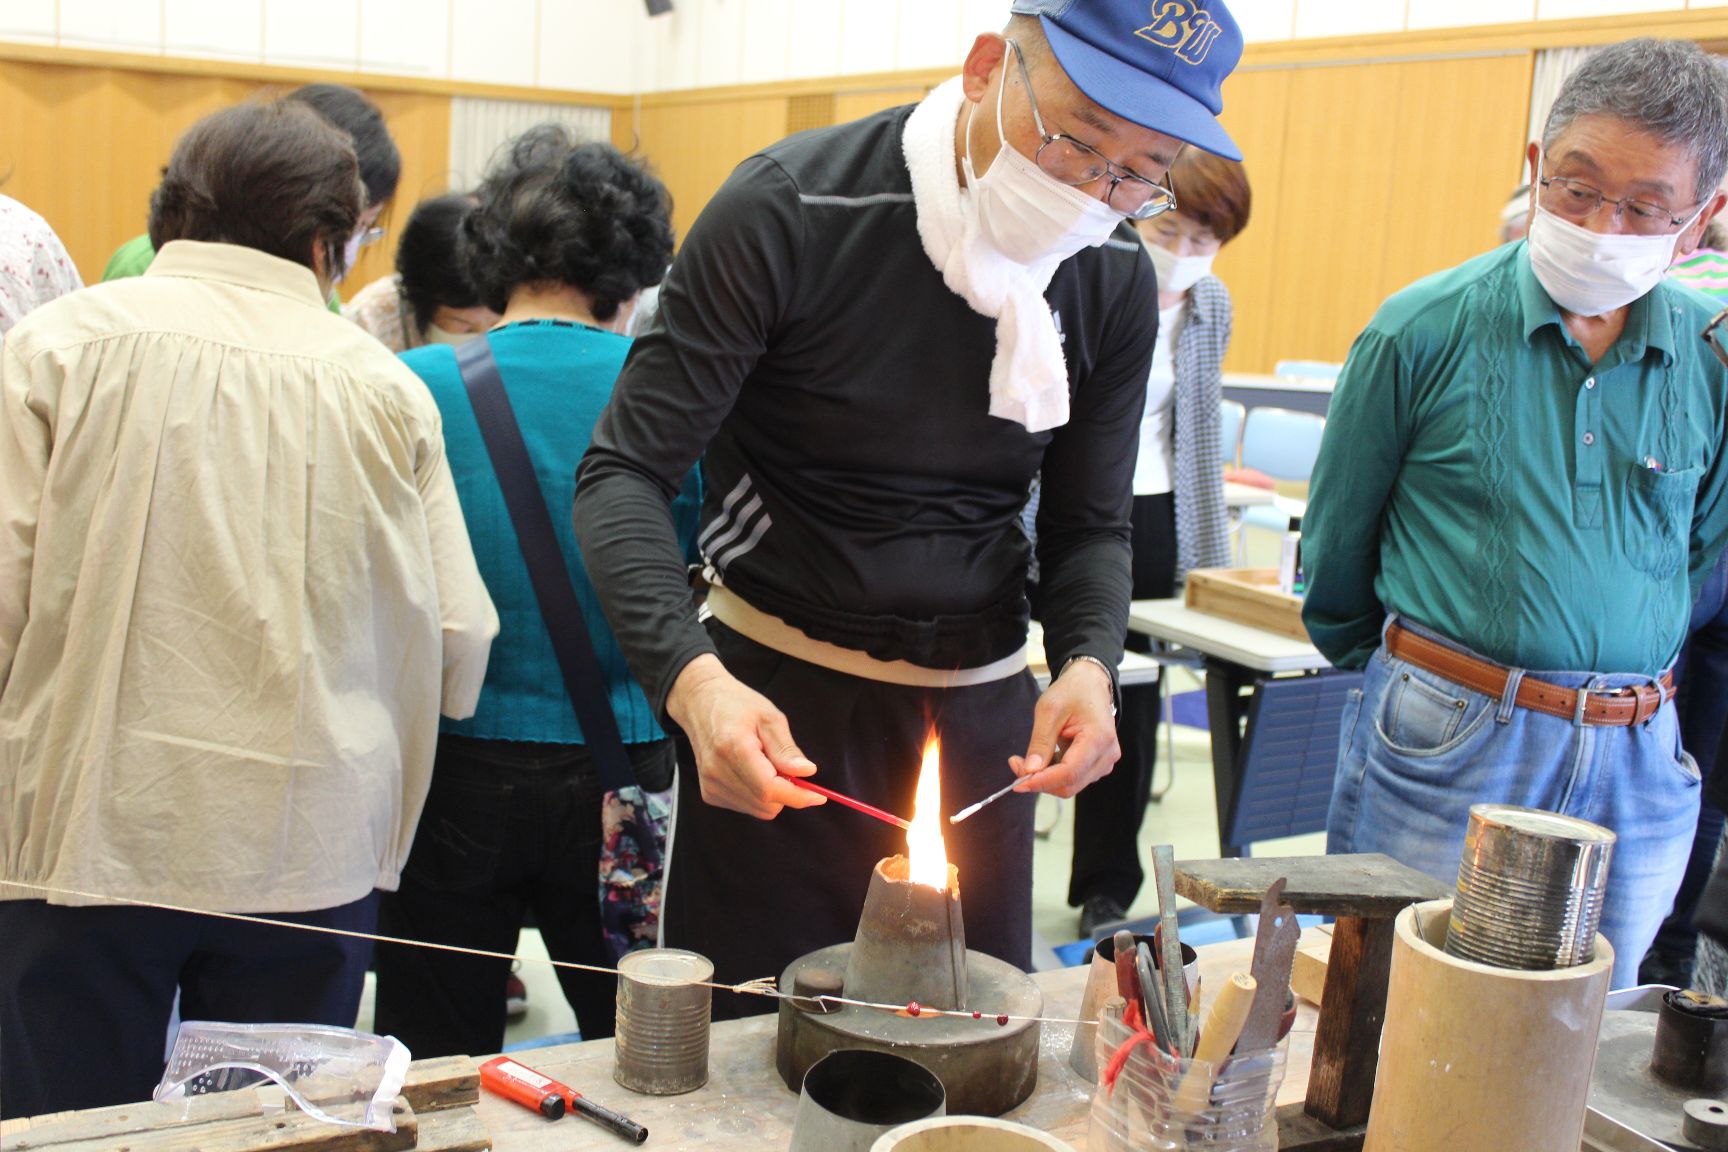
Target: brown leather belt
1610	707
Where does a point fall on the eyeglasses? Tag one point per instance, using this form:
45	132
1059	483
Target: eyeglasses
371	236
1713	335
1065	159
1577	201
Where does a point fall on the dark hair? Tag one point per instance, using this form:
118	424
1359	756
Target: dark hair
1212	191
428	257
349	110
275	177
583	214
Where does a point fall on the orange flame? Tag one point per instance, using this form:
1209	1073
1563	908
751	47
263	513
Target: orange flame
927	856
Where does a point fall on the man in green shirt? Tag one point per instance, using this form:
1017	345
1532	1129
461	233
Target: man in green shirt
1523	469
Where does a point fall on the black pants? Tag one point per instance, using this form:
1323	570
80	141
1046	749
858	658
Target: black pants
1107	815
754	895
508	828
86	993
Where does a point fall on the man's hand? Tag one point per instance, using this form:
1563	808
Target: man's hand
1074	714
742	742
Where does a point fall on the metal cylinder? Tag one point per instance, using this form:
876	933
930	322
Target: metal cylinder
1530	888
911	942
1101	986
663	1020
1691	1049
851	1097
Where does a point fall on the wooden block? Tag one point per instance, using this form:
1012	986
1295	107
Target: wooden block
1364	884
453	1130
1308	973
286	1131
1347	1042
1300	1132
1248	596
108	1123
441	1082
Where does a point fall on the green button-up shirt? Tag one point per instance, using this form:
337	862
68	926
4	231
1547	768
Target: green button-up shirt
1480	476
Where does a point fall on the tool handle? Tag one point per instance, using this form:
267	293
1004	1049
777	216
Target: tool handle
1218	1036
611	1121
1127	979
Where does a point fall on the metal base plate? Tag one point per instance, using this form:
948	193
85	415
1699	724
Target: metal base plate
1624	1088
986	1068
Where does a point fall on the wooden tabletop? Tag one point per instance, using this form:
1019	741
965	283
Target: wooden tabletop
745	1107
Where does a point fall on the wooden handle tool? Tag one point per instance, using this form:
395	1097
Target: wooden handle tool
1217	1037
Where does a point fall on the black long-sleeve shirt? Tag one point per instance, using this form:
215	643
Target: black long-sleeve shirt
856	484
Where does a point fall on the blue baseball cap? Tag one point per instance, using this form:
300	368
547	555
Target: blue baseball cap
1160	65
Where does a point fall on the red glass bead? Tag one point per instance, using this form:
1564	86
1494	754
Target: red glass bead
914	1008
1002	1021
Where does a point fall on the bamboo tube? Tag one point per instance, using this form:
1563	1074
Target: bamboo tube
1479	1057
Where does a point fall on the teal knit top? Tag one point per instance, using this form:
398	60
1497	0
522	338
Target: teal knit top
558	376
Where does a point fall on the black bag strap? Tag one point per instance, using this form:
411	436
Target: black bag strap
547	571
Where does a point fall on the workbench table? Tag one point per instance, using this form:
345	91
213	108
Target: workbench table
745	1107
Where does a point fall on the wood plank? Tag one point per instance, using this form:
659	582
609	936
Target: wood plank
1300	1132
1347	1043
441	1082
453	1130
1248	596
1362	884
1308	974
107	1123
288	1131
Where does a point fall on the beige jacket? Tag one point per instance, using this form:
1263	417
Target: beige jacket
236	591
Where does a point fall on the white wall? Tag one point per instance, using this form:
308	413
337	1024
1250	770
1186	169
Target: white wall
612	45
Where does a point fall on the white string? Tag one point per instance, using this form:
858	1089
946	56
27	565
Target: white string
761	986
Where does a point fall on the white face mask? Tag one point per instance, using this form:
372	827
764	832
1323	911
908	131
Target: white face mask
1588	273
350	253
437	335
1026	215
1177	273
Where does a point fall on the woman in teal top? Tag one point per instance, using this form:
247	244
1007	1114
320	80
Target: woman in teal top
564	238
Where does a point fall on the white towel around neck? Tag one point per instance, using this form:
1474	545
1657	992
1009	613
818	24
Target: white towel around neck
1028	376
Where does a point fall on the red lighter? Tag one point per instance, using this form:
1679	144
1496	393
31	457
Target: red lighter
551	1099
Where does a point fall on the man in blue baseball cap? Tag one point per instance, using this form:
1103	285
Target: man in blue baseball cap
874	337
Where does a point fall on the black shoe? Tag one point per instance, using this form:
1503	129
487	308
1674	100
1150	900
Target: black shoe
1098	911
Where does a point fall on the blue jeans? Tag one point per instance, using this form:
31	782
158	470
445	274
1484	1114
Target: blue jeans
1416	750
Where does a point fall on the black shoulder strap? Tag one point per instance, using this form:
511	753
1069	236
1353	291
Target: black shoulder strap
547	571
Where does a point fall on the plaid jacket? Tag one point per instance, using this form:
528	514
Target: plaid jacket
1202	539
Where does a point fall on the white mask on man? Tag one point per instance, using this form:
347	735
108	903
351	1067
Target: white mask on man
1027	215
1588	273
1177	273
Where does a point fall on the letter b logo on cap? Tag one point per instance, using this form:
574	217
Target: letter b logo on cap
1183	27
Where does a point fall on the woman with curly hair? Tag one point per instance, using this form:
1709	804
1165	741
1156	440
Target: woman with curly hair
563	238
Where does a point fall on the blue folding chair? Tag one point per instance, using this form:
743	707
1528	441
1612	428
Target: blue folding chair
1230	417
1284	444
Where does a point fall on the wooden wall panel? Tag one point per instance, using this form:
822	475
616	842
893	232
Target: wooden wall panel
85	147
1256	107
695	146
1451	178
1335	194
857	105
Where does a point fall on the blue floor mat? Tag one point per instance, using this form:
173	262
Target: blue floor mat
1189	708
